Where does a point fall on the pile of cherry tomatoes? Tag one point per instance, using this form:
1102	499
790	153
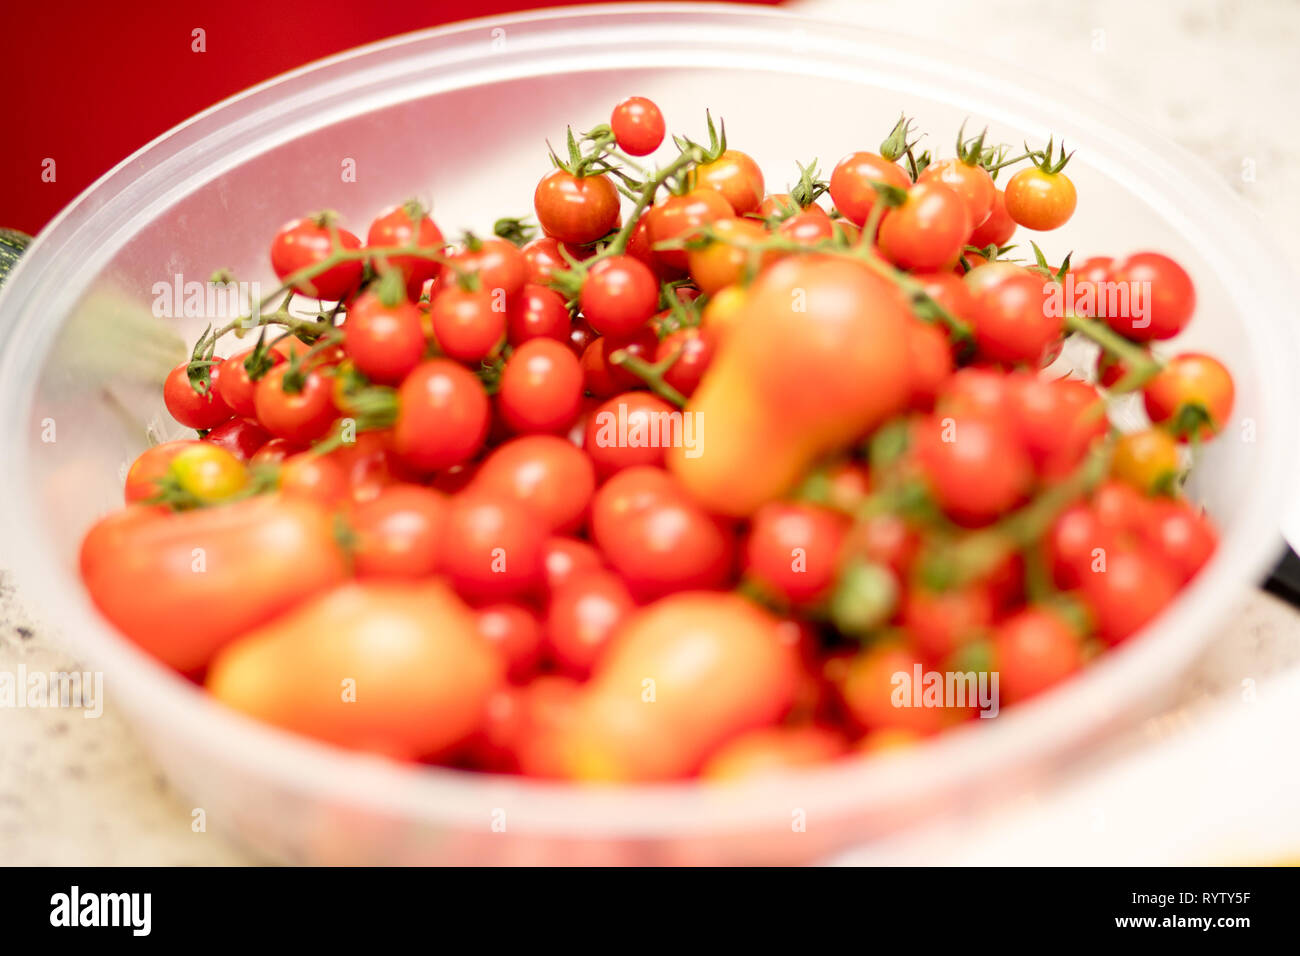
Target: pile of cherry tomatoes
675	478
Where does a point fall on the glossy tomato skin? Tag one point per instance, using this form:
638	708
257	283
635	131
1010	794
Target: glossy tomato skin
972	183
976	468
1011	315
755	402
565	558
729	260
443	415
259	557
395	227
418	692
1134	587
603	378
1033	650
150	467
208	473
493	547
1191	382
638	126
694	348
576	209
1058	420
234	385
299	416
537	313
312	477
1161	297
736	177
680	218
545	474
928	230
626	431
656	538
398	533
582	617
307	242
513	631
1040	200
794	549
851	183
468	325
543	259
190	408
493	266
1181	536
719	670
998	228
1147	459
619	296
384	342
541	388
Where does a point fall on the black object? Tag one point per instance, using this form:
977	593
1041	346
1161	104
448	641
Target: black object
1284	580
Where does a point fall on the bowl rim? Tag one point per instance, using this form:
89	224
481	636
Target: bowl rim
145	181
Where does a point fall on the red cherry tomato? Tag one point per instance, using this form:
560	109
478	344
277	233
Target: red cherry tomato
939	622
680	218
972	183
384	342
629	429
402	226
299	411
928	230
537	313
656	537
239	436
543	260
1149	297
548	475
975	467
929	354
493	266
576	209
1181	536
638	126
442	418
468	325
998	228
492	547
1033	650
619	296
236	387
307	476
1132	587
399	532
582	616
852	183
694	348
541	387
794	549
1011	314
304	243
513	630
1192	395
187	406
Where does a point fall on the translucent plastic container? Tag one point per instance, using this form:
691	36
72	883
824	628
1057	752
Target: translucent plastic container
458	116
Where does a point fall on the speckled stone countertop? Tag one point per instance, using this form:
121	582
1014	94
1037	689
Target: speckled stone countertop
1207	74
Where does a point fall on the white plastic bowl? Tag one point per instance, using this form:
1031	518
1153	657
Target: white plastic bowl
458	115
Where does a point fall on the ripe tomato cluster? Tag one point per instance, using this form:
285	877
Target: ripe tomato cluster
678	485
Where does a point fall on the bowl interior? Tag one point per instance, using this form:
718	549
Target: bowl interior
460	117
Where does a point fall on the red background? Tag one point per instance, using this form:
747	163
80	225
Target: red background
96	81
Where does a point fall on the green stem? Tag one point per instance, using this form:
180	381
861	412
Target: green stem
651	373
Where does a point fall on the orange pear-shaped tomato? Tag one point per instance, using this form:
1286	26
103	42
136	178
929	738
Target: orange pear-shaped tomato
818	359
